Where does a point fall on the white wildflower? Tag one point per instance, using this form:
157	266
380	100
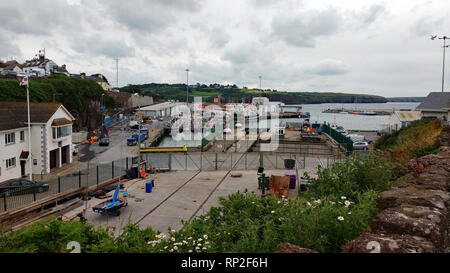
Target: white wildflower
340	218
347	203
205	236
343	197
272	211
175	248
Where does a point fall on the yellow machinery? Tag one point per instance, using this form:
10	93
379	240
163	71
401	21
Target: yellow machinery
143	117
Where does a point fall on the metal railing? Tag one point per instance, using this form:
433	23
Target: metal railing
346	142
98	174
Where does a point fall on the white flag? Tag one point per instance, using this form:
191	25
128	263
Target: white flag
24	81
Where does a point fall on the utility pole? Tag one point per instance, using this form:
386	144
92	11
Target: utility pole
259	82
101	110
443	56
117	71
187	86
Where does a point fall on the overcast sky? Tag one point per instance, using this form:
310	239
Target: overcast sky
371	47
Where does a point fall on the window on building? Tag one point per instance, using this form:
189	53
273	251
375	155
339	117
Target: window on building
10	138
61	131
11	162
22	136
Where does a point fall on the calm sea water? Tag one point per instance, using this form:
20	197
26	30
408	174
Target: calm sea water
348	121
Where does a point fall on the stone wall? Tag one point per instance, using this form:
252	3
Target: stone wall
414	216
126	100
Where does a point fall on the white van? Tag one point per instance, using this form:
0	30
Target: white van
356	138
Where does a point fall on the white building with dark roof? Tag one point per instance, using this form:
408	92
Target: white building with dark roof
40	64
436	105
51	138
400	119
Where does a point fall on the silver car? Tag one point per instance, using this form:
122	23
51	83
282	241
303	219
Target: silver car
361	145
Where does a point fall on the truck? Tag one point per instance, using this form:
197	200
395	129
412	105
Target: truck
142	137
144	131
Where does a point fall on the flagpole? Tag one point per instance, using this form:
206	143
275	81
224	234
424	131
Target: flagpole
29	131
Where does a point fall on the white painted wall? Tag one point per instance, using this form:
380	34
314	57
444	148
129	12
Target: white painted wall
10	151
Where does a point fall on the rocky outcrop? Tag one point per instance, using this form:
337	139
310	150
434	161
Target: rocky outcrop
290	248
414	216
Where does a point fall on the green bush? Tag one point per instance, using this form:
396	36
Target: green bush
51	236
430	149
352	177
338	207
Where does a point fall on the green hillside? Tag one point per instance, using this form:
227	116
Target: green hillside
162	92
80	96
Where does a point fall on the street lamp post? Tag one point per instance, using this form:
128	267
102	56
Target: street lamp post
187	86
259	83
443	56
101	110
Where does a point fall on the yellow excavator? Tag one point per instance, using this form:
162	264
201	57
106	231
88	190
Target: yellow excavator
142	117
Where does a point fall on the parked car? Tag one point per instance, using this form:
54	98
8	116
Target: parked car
8	73
104	141
20	186
362	145
340	129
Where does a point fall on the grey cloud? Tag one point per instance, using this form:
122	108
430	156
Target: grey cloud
426	25
40	17
149	16
369	14
219	38
328	67
302	29
8	49
98	44
239	55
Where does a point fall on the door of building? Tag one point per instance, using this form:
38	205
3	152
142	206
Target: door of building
22	167
64	154
53	158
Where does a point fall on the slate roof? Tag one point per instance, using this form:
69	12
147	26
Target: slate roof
36	62
15	114
94	78
435	101
8	120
